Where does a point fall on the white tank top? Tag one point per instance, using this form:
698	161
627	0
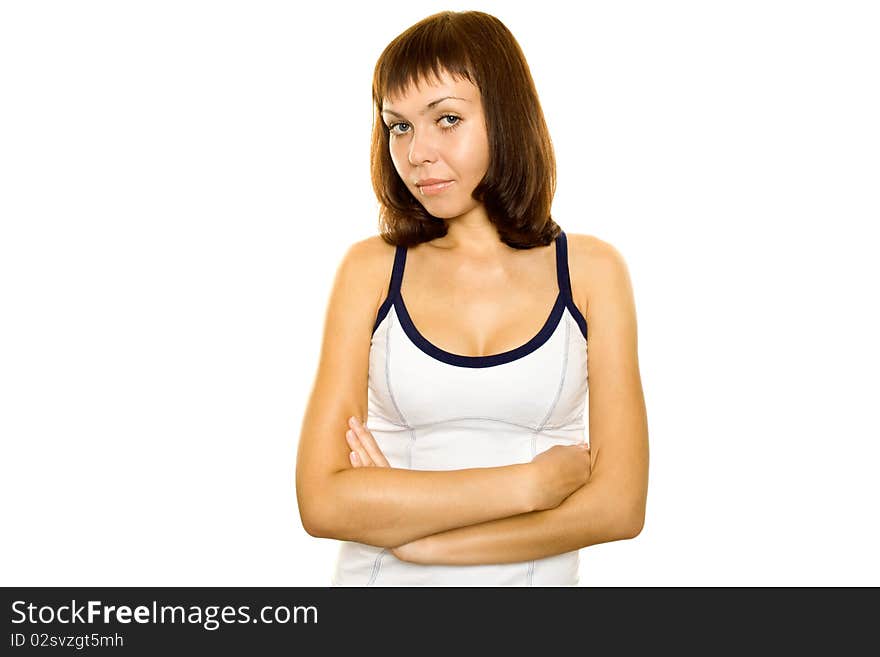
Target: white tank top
430	409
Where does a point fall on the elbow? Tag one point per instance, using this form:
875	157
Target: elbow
312	525
634	527
310	518
322	522
627	521
314	515
319	522
325	514
634	521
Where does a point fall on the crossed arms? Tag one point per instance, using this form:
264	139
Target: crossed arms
460	516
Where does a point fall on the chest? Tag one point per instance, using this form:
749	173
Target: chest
478	316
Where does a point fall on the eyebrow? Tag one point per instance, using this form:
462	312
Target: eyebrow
428	106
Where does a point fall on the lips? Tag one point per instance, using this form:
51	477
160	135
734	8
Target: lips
436	188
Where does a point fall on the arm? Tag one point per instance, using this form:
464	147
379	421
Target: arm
392	506
611	506
384	507
587	517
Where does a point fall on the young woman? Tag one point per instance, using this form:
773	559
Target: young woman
444	442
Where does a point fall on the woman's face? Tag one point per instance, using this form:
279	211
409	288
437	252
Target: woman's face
446	140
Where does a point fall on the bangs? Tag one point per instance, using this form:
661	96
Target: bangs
421	54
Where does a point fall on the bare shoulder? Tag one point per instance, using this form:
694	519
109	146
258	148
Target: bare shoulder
589	249
596	268
367	264
370	253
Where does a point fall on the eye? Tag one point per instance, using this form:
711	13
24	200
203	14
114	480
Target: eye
453	126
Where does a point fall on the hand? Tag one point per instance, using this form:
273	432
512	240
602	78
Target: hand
559	471
365	451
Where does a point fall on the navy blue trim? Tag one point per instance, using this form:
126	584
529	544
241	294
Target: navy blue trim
480	361
562	275
563	301
383	310
393	286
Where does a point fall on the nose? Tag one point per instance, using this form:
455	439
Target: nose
421	149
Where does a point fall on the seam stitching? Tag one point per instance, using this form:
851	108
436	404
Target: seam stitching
531	571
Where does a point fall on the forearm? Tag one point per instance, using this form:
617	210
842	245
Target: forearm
589	516
388	507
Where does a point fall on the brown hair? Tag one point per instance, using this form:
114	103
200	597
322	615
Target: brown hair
520	182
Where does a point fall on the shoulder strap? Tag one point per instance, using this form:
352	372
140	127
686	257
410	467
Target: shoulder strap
562	276
393	286
397	273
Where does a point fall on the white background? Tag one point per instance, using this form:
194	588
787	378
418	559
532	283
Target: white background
179	180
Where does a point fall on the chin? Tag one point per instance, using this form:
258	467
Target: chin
441	214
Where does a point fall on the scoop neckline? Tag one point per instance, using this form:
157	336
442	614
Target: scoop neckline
488	360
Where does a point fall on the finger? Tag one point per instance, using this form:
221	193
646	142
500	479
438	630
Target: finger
357	447
370	445
355	461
